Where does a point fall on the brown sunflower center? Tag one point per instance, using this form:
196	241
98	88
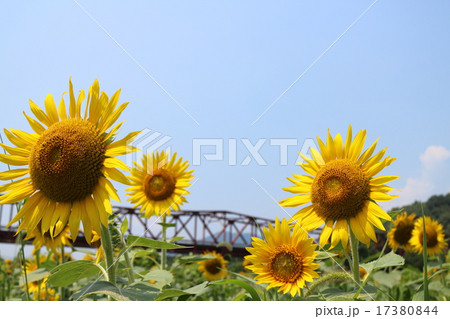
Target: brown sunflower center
66	161
160	185
432	237
339	190
213	266
286	267
403	232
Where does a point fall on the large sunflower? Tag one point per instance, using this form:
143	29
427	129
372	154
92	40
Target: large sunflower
70	159
400	234
159	184
283	258
340	190
215	268
435	236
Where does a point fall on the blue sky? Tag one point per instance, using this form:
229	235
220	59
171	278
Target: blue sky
225	62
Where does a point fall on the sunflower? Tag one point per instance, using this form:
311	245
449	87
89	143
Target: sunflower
9	269
70	160
159	184
435	236
213	269
283	259
340	190
45	293
30	266
400	234
52	243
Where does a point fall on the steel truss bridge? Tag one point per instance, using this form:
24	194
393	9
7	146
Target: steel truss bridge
199	229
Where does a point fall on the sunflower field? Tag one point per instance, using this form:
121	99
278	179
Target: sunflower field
64	185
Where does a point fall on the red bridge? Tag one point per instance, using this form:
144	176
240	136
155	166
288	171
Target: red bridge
202	230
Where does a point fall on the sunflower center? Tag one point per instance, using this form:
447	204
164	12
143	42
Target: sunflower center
213	266
432	237
403	232
66	161
160	185
339	190
286	267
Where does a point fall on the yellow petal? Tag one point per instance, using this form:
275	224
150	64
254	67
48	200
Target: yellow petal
13	174
116	175
40	115
112	162
382	179
326	233
296	200
35	125
382	197
13	160
62	109
50	108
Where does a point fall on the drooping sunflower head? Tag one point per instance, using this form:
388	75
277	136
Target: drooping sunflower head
341	189
70	159
401	232
434	233
47	238
214	268
159	184
284	258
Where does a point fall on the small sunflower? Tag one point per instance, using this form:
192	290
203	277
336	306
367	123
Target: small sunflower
31	265
46	239
159	184
283	259
435	236
45	293
70	160
9	266
400	234
213	269
341	189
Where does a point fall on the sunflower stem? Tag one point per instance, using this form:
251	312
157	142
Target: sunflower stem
109	254
63	290
163	251
355	257
24	263
128	262
426	295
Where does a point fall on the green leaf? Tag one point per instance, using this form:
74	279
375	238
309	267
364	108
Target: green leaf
388	279
388	260
150	243
171	293
136	292
419	296
198	289
335	294
99	287
324	255
242	284
171	240
36	275
68	273
162	277
124	226
192	259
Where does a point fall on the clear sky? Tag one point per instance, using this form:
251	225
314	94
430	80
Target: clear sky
380	66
